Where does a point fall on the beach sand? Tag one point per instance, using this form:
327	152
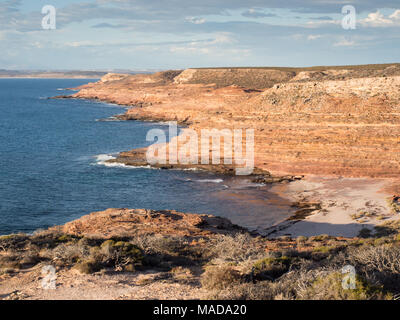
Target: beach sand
342	201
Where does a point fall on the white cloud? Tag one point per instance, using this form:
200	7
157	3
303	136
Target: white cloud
322	23
253	13
395	15
314	37
223	38
377	19
344	43
87	43
195	20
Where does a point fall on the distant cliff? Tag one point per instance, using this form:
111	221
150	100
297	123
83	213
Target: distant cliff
320	120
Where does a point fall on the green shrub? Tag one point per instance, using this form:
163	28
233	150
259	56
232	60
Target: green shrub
264	290
330	288
393	205
238	248
158	244
321	237
88	267
271	268
120	254
69	253
219	278
301	239
324	249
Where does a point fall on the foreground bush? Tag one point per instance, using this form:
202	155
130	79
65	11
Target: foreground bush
219	278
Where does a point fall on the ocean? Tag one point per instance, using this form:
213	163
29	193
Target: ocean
53	169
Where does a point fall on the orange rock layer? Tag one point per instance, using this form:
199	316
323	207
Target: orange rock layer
122	222
332	122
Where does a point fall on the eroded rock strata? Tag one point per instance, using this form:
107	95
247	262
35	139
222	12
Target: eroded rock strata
325	121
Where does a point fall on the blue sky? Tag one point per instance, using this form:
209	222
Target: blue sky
158	34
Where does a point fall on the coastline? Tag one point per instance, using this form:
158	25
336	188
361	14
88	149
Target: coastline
166	254
312	212
146	106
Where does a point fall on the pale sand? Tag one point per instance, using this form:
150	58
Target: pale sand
71	285
340	198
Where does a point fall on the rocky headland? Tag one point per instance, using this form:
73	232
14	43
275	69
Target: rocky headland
310	124
323	121
326	138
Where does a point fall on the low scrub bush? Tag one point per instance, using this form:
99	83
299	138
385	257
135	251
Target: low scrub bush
329	287
271	268
220	277
235	249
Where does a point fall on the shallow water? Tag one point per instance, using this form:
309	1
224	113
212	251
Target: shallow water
52	167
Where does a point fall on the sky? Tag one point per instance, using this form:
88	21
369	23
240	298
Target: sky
177	34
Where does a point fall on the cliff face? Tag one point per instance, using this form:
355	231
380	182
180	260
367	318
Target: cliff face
342	121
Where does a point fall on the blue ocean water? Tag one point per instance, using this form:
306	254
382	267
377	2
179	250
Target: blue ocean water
51	170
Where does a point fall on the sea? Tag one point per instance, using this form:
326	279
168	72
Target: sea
53	165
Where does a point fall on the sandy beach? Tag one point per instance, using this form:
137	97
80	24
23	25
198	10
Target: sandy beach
348	205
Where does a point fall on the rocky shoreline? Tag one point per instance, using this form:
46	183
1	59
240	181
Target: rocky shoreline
341	122
330	115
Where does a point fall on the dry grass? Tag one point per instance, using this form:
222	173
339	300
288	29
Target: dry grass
228	266
220	277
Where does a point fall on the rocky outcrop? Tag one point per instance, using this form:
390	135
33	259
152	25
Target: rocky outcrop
342	121
136	222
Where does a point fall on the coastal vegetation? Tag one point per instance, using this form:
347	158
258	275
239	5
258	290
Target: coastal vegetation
237	265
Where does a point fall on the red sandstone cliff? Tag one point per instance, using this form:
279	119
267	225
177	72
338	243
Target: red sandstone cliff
339	121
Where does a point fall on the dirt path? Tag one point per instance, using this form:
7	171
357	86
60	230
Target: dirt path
71	285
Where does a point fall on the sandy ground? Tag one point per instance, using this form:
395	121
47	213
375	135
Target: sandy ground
71	285
340	198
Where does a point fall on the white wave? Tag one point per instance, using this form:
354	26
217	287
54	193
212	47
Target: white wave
61	89
102	159
122	165
110	119
211	180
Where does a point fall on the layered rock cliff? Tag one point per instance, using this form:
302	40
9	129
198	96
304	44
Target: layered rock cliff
326	121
